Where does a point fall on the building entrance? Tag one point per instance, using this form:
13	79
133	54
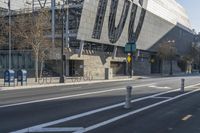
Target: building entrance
119	68
76	67
156	65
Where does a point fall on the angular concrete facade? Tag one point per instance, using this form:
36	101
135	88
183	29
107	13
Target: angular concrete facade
96	32
106	23
154	28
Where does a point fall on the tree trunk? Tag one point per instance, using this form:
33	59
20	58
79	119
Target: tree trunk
171	67
162	67
41	68
36	68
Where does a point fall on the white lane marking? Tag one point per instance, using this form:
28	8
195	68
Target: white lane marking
162	97
132	113
70	96
94	111
159	87
68	129
87	113
186	117
78	87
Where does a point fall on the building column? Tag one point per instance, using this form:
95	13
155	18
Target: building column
67	67
81	48
114	52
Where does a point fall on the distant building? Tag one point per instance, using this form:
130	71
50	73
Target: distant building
3	11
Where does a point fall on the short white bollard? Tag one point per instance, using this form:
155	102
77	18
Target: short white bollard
182	85
128	97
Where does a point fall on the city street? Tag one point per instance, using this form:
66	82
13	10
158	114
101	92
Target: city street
104	66
158	106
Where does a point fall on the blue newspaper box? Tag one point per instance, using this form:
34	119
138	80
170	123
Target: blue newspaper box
9	77
22	77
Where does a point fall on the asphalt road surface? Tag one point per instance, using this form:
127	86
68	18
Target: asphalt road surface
158	106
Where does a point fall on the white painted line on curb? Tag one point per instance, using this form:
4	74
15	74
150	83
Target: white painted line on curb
70	96
132	113
25	130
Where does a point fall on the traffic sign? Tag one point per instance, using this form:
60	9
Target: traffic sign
129	59
130	47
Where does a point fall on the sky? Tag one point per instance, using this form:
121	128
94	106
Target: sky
193	10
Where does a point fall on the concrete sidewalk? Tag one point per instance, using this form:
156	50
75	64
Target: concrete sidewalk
54	82
70	81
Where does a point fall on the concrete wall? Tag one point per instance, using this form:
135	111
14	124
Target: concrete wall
166	67
94	62
142	67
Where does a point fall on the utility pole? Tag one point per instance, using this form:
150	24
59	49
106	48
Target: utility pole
10	47
53	22
33	5
64	16
62	77
133	49
171	62
171	42
67	25
131	65
130	48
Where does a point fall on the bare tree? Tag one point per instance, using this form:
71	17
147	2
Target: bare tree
195	54
2	30
31	30
167	51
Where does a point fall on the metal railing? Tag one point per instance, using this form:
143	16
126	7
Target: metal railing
86	77
45	78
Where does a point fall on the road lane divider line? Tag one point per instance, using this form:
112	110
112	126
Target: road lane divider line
162	97
55	129
159	87
70	96
94	111
133	112
186	117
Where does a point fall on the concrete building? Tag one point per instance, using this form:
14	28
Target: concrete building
96	32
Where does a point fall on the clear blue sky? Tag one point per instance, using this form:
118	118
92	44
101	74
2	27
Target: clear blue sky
193	11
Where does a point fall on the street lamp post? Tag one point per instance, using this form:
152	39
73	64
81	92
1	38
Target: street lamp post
63	57
171	61
131	45
131	65
9	12
62	77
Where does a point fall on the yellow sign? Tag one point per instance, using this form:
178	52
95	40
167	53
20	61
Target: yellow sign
129	58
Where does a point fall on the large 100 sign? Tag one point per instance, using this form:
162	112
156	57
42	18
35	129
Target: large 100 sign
112	21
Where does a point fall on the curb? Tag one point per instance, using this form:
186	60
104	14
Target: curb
63	84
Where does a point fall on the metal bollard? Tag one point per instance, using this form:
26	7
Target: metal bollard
128	97
182	85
